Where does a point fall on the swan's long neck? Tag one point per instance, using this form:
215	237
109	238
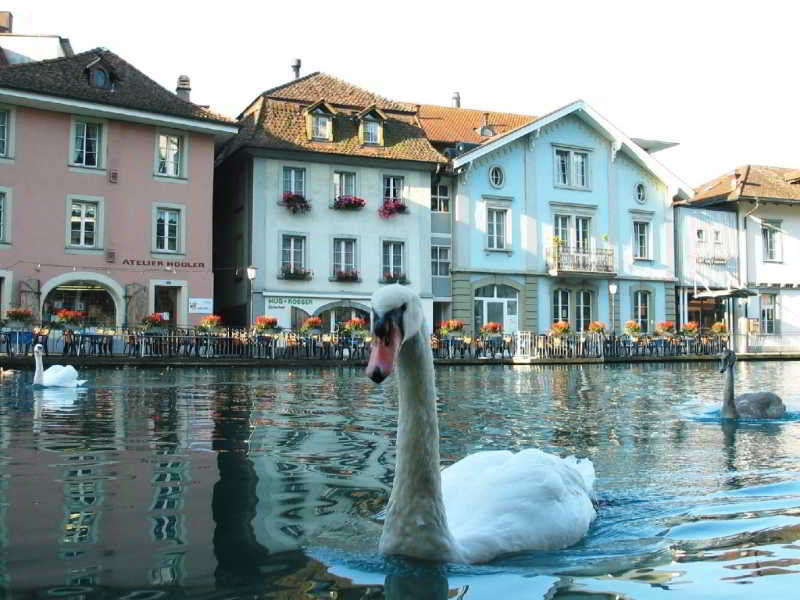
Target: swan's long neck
38	375
416	523
728	405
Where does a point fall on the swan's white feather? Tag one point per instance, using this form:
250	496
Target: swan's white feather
61	376
499	502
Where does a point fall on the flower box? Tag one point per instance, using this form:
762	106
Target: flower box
719	328
355	326
265	323
346	276
21	315
492	328
559	328
394	278
632	328
153	320
451	326
665	328
349	203
296	273
311	325
295	203
392	207
210	323
597	327
691	328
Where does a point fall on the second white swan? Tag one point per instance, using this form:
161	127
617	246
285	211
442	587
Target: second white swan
55	375
485	505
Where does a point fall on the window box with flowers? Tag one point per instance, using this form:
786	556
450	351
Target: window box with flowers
348	203
719	328
451	326
346	275
597	327
265	324
559	328
295	203
492	328
391	207
296	273
68	319
665	328
691	328
154	322
355	326
311	326
210	323
17	317
394	278
632	328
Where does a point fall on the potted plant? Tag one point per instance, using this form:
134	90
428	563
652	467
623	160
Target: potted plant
391	207
18	317
632	328
294	203
559	328
355	326
154	322
492	328
296	273
68	319
311	326
265	324
719	328
691	328
395	278
210	323
665	328
597	327
348	203
346	275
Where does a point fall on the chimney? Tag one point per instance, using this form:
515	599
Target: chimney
296	68
485	119
6	21
184	89
456	100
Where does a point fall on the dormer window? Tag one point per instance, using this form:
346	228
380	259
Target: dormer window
100	79
100	75
370	130
319	121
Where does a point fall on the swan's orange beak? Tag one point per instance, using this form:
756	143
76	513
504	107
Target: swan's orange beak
384	351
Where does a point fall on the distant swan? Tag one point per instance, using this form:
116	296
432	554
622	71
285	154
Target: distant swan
758	405
55	375
485	505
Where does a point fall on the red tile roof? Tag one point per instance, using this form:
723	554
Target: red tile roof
752	181
448	124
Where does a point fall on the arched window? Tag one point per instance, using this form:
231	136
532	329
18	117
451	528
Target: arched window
641	309
583	310
561	305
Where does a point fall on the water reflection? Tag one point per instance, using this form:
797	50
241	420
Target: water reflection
408	579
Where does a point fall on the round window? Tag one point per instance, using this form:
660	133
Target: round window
640	193
497	177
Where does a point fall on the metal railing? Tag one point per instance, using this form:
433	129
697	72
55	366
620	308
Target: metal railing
579	259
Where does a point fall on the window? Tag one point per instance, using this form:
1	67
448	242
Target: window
171	151
440	198
168	221
392	259
497	177
770	236
701	236
293	254
5	132
87	142
320	126
344	256
582	234
371	129
769	313
640	193
440	261
583	310
561	305
83	224
344	184
294	181
641	240
561	229
496	228
393	188
571	168
641	309
717	236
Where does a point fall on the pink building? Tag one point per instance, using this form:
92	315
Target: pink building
105	192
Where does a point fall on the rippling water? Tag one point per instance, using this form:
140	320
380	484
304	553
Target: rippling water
227	483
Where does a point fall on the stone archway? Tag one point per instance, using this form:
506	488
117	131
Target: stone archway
325	311
114	289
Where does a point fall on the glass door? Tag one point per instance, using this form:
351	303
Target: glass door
166	303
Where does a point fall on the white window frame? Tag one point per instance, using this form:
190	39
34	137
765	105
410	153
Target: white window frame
183	158
640	193
292	180
338	177
438	199
317	133
99	201
648	240
570	179
101	146
390	185
557	304
393	257
339	256
495	203
771	232
562	228
367	125
182	227
581	302
7	153
6	204
496	215
763	312
497	176
437	261
644	323
293	235
700	235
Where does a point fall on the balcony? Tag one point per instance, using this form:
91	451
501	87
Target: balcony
565	261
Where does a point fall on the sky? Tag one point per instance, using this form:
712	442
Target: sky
713	76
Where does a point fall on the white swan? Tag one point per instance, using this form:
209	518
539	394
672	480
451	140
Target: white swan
483	506
758	405
55	375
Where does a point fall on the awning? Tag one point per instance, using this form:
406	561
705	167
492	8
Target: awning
737	293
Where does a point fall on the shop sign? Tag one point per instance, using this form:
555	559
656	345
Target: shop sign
181	264
278	302
201	306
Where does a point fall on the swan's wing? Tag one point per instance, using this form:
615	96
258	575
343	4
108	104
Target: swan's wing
760	404
504	502
61	376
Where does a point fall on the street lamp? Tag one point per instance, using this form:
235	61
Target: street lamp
613	290
251	275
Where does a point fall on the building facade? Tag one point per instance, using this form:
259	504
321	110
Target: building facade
105	192
326	191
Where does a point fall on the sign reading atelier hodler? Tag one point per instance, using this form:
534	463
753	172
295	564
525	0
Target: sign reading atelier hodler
178	264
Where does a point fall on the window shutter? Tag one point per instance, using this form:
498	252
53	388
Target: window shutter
309	118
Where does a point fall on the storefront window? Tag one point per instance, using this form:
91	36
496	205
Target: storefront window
84	296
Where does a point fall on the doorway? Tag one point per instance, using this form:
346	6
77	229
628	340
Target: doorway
497	304
165	301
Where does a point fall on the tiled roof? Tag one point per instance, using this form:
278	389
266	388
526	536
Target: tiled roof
282	125
448	124
66	77
316	86
752	181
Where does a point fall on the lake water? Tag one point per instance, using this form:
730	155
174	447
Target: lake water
234	483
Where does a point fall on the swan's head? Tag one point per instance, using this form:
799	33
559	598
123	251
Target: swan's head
726	360
396	317
38	349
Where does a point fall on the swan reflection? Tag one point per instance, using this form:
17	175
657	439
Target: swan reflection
55	397
408	579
